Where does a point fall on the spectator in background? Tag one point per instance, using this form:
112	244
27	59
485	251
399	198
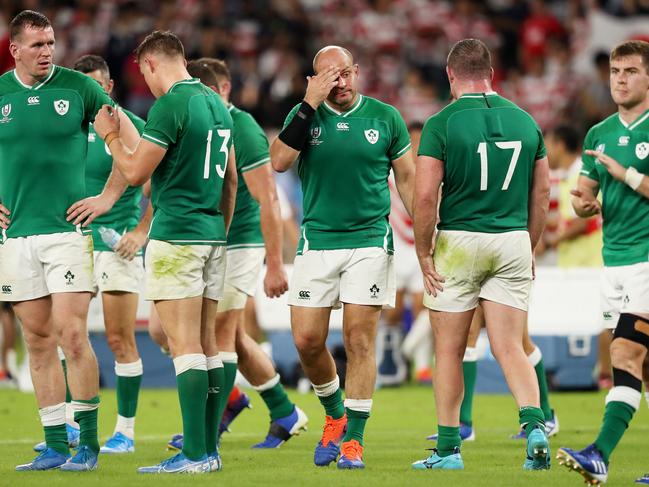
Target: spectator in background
595	102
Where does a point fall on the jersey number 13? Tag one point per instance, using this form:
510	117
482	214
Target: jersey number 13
225	134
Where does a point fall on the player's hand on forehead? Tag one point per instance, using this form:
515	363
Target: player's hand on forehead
320	85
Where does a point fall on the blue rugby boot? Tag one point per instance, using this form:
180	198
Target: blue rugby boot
84	460
179	463
283	429
588	462
48	459
451	462
118	443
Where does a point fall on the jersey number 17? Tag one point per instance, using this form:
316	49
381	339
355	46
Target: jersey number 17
516	145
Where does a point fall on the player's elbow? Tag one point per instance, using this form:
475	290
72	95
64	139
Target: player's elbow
134	178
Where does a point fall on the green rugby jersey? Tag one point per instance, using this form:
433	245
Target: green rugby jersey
193	124
489	147
251	148
344	169
43	144
125	213
625	212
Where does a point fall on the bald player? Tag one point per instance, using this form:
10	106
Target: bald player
345	145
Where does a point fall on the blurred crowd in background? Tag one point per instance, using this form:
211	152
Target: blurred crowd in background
550	57
400	45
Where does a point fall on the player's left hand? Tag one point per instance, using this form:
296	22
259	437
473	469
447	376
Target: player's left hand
614	168
432	280
86	210
130	243
275	282
4	217
106	121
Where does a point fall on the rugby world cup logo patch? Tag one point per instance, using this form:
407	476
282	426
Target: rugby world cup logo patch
61	106
315	132
372	136
6	110
642	150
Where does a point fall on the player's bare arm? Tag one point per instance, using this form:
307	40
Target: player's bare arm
539	200
131	242
4	217
404	176
136	166
85	211
229	194
261	184
630	176
584	197
288	144
428	179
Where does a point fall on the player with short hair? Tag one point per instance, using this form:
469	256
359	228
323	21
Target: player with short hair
186	151
46	257
616	162
255	233
118	271
493	206
345	144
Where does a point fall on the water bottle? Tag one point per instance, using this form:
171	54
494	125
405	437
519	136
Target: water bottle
110	237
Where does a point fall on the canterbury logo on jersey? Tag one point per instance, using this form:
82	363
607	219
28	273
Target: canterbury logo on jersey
33	100
304	295
342	126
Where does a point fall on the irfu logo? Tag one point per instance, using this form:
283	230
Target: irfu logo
69	277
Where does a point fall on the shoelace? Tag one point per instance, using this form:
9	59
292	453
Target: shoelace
329	431
352	449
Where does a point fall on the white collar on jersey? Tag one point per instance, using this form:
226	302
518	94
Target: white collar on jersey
636	122
38	84
478	95
348	112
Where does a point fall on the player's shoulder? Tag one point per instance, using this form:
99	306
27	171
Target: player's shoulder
8	82
69	78
240	116
378	107
610	123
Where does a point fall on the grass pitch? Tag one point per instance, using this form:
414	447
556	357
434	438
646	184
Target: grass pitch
401	419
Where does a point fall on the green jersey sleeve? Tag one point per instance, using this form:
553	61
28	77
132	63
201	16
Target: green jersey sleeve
588	162
400	137
433	140
290	115
163	122
94	97
540	151
251	144
137	121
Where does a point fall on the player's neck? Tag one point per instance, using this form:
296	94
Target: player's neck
27	79
346	106
172	75
631	114
472	86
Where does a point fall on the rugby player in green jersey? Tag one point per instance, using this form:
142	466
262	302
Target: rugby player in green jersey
490	156
186	151
345	145
118	271
255	234
616	162
45	257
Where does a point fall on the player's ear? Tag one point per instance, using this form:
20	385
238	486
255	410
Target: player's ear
13	49
449	73
491	74
111	85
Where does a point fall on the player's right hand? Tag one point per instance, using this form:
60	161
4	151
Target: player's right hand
432	280
320	85
4	217
584	205
275	282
